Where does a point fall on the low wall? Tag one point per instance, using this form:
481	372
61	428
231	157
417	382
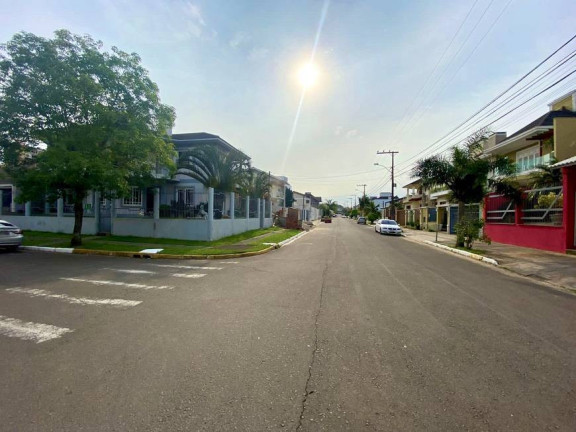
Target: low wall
227	227
183	229
531	236
51	223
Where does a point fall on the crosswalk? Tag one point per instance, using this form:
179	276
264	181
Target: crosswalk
71	291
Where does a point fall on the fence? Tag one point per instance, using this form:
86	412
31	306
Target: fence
543	206
239	207
189	206
253	208
538	207
267	208
500	209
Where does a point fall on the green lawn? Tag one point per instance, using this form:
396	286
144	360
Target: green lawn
249	241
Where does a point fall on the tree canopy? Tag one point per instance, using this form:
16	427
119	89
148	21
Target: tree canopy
215	168
75	118
464	172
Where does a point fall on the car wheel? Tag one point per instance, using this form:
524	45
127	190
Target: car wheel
13	248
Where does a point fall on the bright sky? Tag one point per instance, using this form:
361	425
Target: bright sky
390	75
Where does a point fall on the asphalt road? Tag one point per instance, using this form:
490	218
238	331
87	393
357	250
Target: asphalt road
341	330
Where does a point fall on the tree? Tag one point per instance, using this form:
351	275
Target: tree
216	168
74	118
372	211
465	172
363	202
289	198
255	183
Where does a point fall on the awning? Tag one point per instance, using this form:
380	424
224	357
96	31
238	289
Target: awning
565	163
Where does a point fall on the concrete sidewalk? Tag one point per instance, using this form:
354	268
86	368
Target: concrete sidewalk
555	268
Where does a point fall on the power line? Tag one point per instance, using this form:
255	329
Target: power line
492	101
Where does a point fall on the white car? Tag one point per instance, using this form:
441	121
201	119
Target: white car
10	235
387	226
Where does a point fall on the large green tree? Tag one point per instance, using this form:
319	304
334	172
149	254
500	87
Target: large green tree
75	118
464	172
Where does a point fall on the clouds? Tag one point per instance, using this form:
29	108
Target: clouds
158	22
240	38
349	134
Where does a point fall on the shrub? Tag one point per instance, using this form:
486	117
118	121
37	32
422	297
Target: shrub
468	230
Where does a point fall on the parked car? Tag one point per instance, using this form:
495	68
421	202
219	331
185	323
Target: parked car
10	235
326	219
387	226
361	220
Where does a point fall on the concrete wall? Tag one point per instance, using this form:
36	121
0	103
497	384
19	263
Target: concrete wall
184	229
564	138
51	224
567	103
531	236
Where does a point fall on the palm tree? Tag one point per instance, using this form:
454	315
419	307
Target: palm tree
464	172
363	203
255	183
372	211
214	168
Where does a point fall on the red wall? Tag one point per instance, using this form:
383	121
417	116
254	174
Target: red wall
532	236
569	183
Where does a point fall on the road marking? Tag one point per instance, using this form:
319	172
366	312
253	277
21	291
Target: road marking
130	271
189	276
15	328
122	284
187	267
228	262
74	300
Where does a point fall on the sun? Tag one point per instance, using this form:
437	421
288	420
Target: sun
308	75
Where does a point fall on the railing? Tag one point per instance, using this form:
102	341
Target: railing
500	209
543	206
532	163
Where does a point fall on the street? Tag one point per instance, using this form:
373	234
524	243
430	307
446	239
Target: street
343	329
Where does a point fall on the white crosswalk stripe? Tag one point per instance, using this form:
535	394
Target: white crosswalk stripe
122	284
74	300
130	271
185	267
189	275
15	328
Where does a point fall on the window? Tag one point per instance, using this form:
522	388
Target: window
185	196
134	198
527	159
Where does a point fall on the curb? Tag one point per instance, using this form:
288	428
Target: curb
463	253
48	249
291	239
164	256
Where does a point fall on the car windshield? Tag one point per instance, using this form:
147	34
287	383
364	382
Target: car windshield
389	222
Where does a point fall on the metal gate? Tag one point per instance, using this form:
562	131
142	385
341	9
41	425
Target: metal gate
453	219
105	223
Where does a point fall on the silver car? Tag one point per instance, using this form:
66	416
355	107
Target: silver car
10	235
387	226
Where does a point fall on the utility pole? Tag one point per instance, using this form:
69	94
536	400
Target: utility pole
364	185
363	197
392	208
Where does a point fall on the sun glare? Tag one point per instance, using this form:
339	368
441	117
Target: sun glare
308	75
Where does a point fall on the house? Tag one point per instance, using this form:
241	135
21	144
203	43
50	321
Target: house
172	207
545	217
308	205
382	199
278	186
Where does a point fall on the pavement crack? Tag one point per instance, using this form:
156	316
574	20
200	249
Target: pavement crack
307	391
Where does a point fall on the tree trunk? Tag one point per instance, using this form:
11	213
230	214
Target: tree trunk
78	218
461	217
